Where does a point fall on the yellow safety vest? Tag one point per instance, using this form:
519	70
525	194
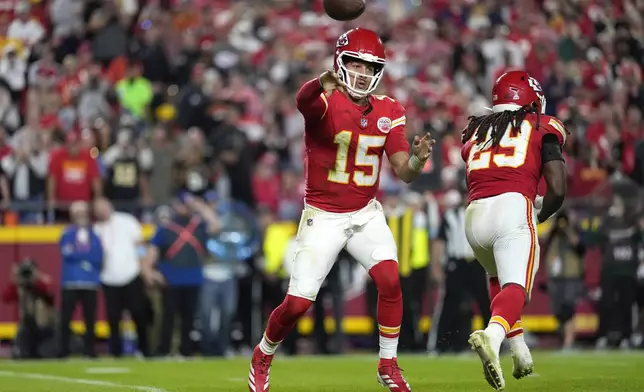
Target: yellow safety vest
412	242
276	239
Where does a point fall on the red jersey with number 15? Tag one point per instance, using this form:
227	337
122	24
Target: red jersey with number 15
515	166
345	144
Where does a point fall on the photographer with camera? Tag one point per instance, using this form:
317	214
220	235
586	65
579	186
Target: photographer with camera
82	261
30	289
564	256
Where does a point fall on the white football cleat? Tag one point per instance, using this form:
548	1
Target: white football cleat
522	364
480	342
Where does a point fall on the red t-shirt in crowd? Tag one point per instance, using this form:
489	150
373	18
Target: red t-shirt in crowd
73	175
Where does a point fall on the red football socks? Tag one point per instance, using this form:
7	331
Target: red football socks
507	305
495	288
282	321
390	308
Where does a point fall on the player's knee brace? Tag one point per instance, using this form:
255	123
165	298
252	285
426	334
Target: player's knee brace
385	276
293	308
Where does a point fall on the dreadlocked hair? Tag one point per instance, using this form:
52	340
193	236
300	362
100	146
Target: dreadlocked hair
497	124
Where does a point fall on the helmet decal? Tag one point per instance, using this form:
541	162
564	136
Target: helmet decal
343	40
534	84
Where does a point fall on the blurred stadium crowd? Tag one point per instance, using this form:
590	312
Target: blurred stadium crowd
170	96
206	87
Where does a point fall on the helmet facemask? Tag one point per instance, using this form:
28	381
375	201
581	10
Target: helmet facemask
350	77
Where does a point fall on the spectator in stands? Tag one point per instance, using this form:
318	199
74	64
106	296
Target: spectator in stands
26	170
164	157
44	71
127	166
135	92
13	70
82	260
25	28
9	114
192	169
266	182
66	16
109	37
92	98
193	102
123	287
232	148
73	175
154	59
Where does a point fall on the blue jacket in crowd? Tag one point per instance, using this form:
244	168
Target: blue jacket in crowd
182	245
82	258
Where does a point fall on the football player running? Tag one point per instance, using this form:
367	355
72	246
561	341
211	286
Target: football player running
506	153
347	131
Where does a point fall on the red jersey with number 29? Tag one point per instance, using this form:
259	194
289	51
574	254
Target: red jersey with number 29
515	165
345	144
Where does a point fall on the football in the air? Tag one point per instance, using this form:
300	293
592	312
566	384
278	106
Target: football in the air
344	9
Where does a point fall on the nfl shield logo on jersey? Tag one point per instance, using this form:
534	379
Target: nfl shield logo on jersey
363	123
309	222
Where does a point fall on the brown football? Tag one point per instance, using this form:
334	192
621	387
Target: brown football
344	9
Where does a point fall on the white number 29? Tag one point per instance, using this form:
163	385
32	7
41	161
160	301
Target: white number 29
481	156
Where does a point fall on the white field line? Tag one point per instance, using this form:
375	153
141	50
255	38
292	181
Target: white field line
80	381
106	370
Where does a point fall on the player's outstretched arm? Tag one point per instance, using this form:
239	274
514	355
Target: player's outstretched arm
408	167
312	101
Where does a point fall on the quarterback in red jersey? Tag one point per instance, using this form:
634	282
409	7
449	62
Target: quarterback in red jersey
506	153
347	131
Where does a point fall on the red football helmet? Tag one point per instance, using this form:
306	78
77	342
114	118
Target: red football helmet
515	89
364	45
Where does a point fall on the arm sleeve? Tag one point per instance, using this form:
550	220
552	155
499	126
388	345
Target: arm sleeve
311	101
550	148
397	139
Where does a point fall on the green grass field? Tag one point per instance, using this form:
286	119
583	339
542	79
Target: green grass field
587	372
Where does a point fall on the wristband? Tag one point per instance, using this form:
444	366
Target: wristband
415	163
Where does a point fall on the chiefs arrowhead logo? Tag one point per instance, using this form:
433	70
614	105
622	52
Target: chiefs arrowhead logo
342	41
